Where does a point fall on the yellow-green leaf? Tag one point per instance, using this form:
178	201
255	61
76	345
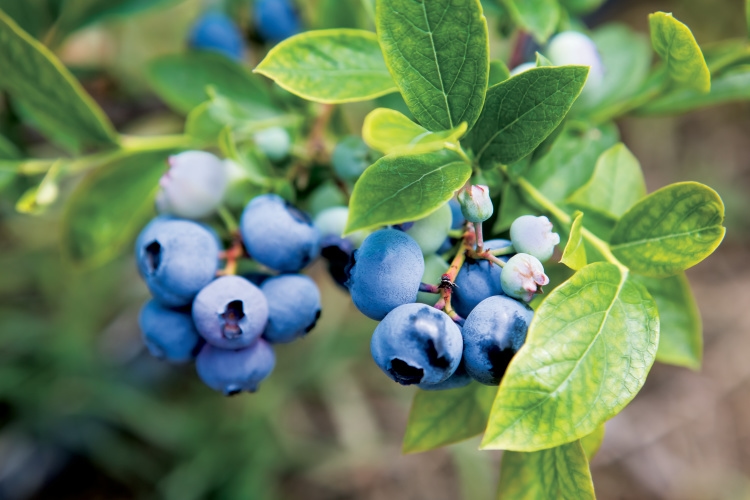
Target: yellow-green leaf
389	131
676	45
574	255
592	442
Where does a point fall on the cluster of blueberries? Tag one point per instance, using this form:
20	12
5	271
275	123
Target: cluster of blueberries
273	20
223	321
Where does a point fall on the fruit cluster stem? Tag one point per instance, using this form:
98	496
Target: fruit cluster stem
232	255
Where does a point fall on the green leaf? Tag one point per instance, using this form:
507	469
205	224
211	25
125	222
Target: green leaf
582	6
588	351
571	160
33	16
39	81
330	66
244	118
499	72
617	184
110	206
574	255
438	418
438	54
592	442
389	131
539	17
401	188
734	85
522	111
561	473
670	230
675	44
181	79
512	206
681	331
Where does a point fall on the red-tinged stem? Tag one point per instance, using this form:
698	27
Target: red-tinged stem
232	254
480	237
428	288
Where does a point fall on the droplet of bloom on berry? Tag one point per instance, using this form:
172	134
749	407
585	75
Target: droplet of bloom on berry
534	236
523	276
194	185
476	204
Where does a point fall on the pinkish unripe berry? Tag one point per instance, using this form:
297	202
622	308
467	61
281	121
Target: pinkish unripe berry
523	276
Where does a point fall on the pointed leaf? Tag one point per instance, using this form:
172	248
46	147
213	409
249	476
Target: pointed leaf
617	184
522	111
588	351
330	66
574	255
675	44
561	473
499	72
438	54
389	131
402	188
438	418
670	230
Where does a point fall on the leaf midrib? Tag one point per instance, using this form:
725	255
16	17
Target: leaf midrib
646	241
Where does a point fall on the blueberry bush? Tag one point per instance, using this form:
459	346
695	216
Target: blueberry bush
476	201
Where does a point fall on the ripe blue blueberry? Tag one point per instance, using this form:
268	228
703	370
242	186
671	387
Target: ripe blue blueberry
278	235
293	307
276	20
217	32
494	331
477	280
169	334
233	371
176	259
534	236
523	276
431	231
385	272
350	158
417	344
274	142
458	216
460	378
434	269
475	202
571	47
230	312
194	185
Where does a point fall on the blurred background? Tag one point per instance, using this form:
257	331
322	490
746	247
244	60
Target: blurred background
85	413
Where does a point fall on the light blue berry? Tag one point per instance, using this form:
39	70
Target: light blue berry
293	307
194	185
274	142
431	231
233	371
332	222
477	280
416	343
217	32
176	258
169	334
230	312
385	273
534	236
460	378
350	158
523	276
571	47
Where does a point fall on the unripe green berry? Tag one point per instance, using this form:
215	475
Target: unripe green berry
476	204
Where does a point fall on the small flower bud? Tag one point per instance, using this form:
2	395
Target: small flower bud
523	276
476	204
534	236
194	185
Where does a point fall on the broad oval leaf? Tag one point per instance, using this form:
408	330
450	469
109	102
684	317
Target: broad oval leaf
329	66
574	255
670	230
539	17
389	131
681	331
39	81
561	473
617	184
438	418
522	111
181	79
402	188
438	54
589	348
110	206
675	44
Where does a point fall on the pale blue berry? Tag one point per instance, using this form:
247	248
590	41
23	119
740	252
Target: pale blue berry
233	371
274	142
194	185
534	236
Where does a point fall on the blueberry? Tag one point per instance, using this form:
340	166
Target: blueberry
230	312
523	276
274	142
276	20
332	222
278	235
571	47
534	236
431	231
478	280
460	378
217	32
475	202
176	258
293	307
385	272
234	371
194	185
458	216
416	343
350	158
434	268
494	331
169	334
